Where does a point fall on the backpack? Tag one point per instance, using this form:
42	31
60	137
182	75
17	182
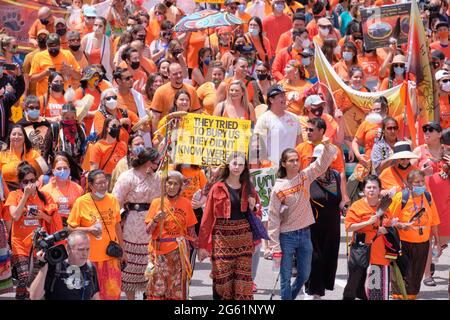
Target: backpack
405	197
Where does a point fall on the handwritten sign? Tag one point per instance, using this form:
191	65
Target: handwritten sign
264	179
207	140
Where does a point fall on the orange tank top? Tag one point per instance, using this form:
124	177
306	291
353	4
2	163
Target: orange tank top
95	56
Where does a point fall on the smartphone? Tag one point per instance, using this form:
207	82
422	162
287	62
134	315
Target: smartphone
9	66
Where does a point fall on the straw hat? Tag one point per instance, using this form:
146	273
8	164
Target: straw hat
402	150
399	59
83	106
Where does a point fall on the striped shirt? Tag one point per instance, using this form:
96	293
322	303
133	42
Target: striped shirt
294	193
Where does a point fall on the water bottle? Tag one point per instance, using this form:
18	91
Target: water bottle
276	261
434	254
98	226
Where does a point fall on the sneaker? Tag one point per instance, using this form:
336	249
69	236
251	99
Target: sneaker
429	282
308	296
254	288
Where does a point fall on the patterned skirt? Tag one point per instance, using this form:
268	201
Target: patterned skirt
109	279
167	281
6	284
22	265
232	249
136	241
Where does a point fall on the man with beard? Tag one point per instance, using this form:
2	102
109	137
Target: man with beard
56	59
45	21
314	107
74	41
36	127
164	96
30	86
394	177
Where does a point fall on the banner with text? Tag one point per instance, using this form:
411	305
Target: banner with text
381	23
207	140
264	179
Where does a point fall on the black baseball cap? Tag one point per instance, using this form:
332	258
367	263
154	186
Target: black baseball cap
274	90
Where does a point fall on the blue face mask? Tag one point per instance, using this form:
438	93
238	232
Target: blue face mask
62	174
399	70
99	195
241	7
419	190
279	7
207	61
138	149
33	113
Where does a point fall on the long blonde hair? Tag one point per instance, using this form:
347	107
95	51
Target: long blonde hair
244	99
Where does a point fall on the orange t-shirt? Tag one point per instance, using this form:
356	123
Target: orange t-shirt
22	229
437	46
385	83
179	217
207	95
367	132
53	107
284	41
163	100
195	43
261	52
148	65
444	109
342	70
295	95
127	102
107	158
195	180
153	30
85	214
389	178
99	122
80	93
305	152
65	197
426	221
361	211
9	162
329	120
371	67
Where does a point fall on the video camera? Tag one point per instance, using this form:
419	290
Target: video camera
43	241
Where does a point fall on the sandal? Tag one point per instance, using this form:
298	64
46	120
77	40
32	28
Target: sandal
268	254
429	282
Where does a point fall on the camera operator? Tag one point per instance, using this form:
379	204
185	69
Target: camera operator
72	279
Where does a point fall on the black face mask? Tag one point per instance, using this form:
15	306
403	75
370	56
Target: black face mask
317	112
114	132
75	48
57	87
61	32
134	65
42	43
53	51
44	21
262	76
402	167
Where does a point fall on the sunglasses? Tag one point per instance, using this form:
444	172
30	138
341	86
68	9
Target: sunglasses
166	34
392	128
89	18
309	130
25	182
111	98
33	107
397	65
428	129
445	80
326	27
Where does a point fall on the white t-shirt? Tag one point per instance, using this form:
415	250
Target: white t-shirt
279	133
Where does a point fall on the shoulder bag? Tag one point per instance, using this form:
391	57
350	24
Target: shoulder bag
113	249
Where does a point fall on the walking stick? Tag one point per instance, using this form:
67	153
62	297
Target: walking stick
274	287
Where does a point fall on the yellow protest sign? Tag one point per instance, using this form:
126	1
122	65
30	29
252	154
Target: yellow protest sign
207	140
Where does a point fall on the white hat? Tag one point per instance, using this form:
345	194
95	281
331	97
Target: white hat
402	150
441	74
89	11
313	100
